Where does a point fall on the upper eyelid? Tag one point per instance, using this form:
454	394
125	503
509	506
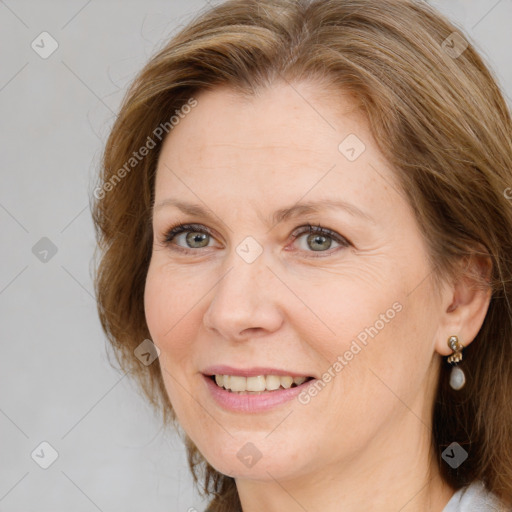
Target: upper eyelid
184	227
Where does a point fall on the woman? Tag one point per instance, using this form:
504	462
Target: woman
303	207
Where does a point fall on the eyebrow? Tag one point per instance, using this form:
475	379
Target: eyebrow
296	210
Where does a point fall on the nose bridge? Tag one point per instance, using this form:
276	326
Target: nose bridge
245	297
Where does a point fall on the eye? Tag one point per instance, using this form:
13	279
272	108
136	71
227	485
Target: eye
195	236
319	239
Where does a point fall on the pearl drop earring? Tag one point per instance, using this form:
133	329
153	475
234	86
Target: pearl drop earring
457	377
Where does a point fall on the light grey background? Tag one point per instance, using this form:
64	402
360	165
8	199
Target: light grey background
56	384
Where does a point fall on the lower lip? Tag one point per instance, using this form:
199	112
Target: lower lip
251	402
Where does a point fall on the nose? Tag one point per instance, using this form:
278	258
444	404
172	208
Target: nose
246	301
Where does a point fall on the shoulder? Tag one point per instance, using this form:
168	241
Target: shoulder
474	498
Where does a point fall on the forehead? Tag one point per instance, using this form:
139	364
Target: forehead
289	138
296	115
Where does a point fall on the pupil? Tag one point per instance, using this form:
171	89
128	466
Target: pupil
319	239
196	237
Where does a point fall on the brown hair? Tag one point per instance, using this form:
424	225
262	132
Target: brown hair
438	117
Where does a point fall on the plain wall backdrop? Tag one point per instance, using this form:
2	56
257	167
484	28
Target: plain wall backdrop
56	384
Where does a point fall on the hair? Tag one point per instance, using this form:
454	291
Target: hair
438	118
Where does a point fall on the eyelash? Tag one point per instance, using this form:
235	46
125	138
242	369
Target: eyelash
198	228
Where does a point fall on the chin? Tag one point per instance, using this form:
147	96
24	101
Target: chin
252	463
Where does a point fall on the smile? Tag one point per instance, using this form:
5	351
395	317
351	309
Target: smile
257	384
253	393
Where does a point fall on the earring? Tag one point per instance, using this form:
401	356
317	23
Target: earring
457	377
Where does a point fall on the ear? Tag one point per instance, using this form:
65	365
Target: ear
465	303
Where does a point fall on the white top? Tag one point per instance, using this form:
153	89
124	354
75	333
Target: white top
473	498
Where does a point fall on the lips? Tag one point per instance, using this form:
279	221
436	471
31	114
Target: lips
254	389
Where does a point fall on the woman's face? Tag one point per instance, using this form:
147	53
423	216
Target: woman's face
353	307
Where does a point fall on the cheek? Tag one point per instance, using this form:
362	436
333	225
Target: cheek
375	324
167	303
164	307
156	303
173	311
350	308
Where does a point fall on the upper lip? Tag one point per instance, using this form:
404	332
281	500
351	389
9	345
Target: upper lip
250	372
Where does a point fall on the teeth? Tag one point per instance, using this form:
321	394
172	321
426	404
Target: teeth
235	383
258	383
286	382
272	382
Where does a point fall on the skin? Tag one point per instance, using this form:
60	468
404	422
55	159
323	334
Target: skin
363	441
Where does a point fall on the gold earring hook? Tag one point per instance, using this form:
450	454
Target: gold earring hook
456	346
